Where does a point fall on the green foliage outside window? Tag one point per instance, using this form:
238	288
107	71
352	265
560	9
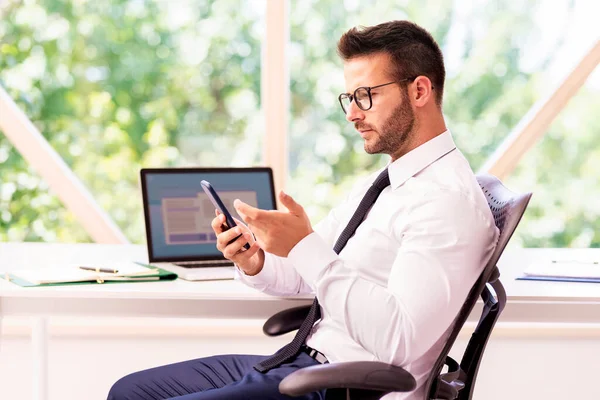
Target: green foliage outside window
488	90
115	85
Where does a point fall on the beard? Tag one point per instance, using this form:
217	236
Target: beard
395	132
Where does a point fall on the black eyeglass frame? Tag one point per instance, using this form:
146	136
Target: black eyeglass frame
368	89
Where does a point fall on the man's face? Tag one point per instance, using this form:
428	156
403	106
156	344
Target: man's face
387	127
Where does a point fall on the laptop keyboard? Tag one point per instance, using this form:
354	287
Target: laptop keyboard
200	264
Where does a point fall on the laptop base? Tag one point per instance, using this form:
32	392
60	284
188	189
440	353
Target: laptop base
199	274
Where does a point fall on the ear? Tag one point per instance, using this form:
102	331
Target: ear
422	91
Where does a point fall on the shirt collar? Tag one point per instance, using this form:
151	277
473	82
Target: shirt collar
418	159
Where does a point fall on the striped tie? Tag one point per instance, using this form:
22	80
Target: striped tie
292	349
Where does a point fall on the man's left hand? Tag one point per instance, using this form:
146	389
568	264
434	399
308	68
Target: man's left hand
276	232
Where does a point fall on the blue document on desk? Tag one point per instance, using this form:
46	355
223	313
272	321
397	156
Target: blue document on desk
587	271
558	279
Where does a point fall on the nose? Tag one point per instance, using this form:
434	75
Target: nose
354	113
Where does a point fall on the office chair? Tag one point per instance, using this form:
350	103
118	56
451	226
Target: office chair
368	380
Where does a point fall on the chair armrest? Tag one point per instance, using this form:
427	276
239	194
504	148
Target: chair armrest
369	375
285	321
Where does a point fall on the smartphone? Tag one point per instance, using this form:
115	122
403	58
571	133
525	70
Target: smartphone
218	203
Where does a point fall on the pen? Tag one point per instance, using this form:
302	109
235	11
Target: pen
100	269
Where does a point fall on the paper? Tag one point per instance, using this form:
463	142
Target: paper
565	269
54	275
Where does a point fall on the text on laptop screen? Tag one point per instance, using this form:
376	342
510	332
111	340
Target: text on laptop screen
180	213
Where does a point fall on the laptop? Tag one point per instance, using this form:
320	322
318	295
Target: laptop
178	214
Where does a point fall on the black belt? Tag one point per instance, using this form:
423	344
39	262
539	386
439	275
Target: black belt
315	354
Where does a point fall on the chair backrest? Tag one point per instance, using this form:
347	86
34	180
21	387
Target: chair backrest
507	208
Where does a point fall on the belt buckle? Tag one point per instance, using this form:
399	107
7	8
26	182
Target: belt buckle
316	355
321	358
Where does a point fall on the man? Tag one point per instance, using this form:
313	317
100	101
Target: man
391	266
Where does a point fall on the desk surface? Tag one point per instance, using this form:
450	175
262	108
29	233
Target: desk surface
40	255
530	301
179	298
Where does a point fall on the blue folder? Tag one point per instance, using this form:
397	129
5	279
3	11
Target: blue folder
558	279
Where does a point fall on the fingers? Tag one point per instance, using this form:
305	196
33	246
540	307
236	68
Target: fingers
218	223
244	256
236	251
246	211
227	236
290	203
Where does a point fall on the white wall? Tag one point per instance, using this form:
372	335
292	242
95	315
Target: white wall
87	356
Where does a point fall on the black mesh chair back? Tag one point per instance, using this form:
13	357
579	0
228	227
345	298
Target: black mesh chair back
459	382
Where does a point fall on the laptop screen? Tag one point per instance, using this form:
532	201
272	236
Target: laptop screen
178	213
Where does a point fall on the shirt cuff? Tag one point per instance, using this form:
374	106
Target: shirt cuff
260	280
311	256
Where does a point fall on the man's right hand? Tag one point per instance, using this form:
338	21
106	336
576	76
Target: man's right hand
250	261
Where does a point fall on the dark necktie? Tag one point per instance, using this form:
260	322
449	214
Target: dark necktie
293	348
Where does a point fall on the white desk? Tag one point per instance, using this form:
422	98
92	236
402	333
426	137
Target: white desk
533	302
179	298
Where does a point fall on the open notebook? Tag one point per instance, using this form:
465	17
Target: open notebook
121	272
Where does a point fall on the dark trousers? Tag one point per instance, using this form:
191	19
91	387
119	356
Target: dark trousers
228	377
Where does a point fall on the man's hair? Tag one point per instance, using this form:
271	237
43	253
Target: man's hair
413	50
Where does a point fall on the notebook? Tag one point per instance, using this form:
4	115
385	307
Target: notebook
178	215
119	272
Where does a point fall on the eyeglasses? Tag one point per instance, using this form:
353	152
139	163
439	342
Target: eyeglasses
362	96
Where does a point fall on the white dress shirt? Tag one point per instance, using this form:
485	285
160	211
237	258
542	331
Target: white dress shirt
394	290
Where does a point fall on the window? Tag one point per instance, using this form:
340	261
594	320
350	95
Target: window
563	172
116	85
500	59
120	84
